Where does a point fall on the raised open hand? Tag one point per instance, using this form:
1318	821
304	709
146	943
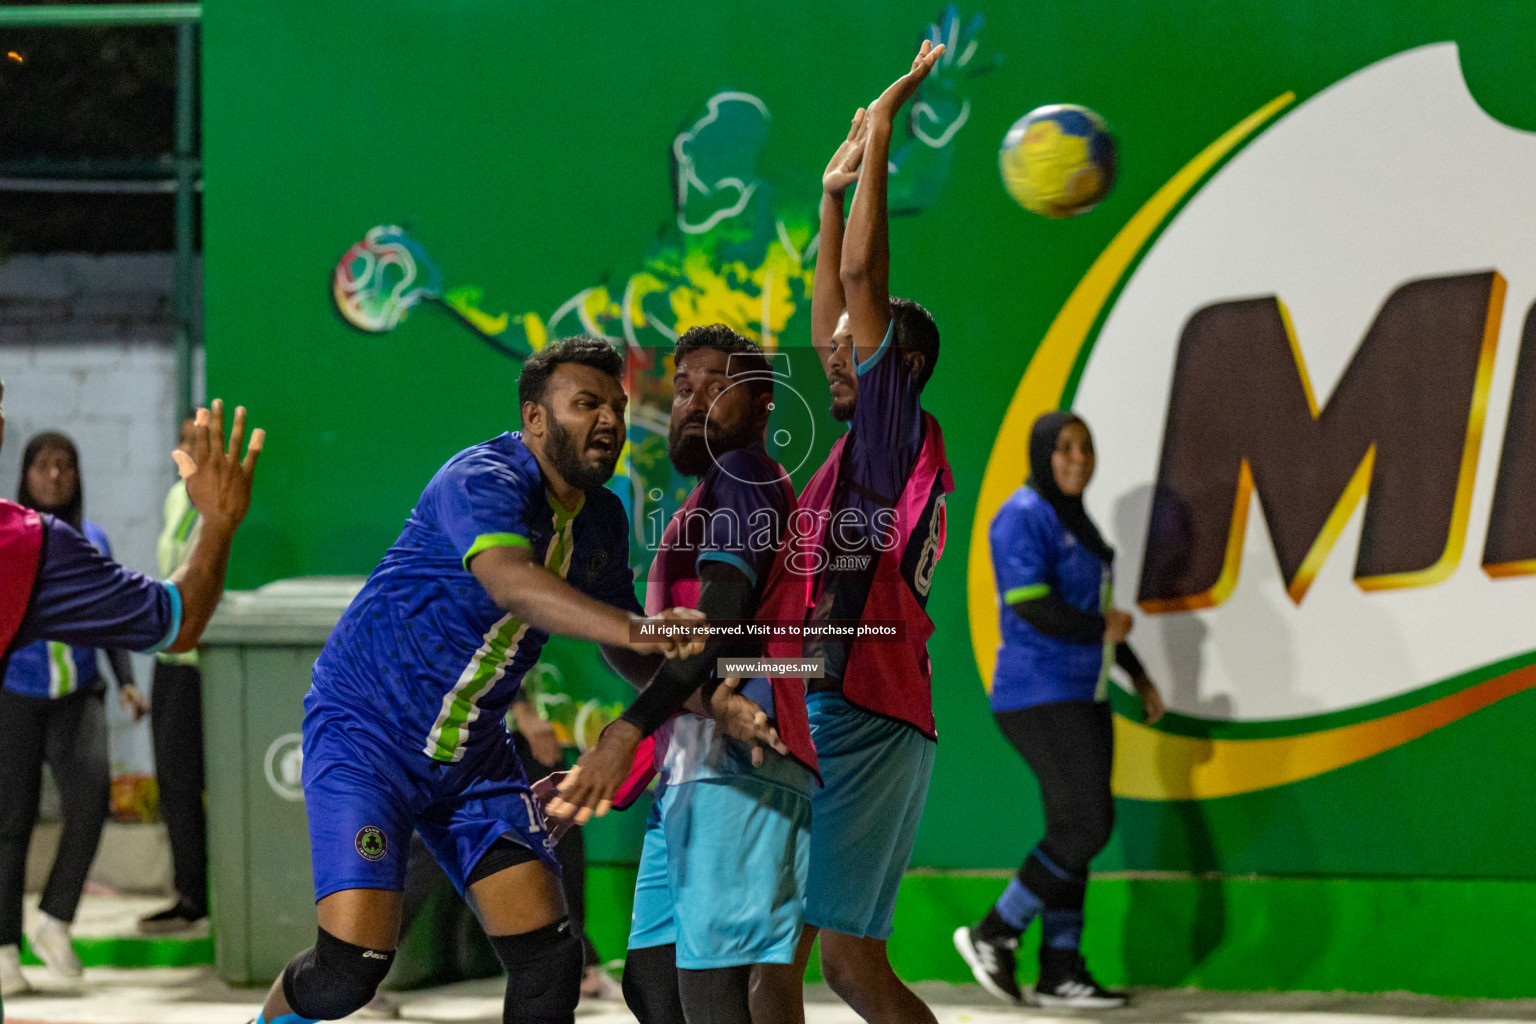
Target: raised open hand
898	92
942	108
218	478
843	169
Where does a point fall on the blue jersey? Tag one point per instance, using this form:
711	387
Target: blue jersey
1034	555
49	668
423	650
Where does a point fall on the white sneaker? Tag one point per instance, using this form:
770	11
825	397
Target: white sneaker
12	981
50	941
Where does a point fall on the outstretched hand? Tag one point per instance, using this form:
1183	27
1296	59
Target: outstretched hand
684	642
843	169
543	793
218	479
587	789
742	719
900	91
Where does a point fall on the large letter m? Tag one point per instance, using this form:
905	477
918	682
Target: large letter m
1401	430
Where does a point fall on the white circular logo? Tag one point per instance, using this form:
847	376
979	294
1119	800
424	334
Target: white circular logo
285	766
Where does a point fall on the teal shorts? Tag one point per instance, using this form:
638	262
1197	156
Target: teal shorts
723	867
876	772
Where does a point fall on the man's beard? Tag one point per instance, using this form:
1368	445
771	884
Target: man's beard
566	456
841	409
692	455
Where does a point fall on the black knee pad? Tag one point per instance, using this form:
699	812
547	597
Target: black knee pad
334	979
544	970
650	985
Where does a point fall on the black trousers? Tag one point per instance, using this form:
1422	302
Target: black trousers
1069	745
176	722
70	734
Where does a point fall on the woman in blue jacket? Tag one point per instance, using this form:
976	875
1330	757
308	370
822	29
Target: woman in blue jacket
52	710
1060	633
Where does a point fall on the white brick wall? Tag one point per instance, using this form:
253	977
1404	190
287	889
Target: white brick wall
118	402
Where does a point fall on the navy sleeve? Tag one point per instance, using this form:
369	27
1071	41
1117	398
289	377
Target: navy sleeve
1054	617
618	588
86	599
743	493
615	583
97	536
887	422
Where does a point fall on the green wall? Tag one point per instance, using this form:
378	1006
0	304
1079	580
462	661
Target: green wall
527	145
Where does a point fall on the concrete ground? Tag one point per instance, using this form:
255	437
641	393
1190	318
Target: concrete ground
192	995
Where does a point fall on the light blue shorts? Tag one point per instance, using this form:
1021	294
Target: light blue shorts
723	868
876	772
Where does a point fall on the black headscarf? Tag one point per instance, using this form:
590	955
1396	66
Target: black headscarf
1042	442
70	511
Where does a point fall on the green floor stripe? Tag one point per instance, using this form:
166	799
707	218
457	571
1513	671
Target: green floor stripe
133	951
1460	938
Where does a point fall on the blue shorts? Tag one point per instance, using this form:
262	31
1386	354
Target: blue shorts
723	867
364	795
876	772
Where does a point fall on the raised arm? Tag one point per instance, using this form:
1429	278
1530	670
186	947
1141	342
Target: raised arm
219	485
865	267
827	302
520	585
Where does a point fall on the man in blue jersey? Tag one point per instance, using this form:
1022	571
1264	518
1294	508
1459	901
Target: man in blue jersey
512	540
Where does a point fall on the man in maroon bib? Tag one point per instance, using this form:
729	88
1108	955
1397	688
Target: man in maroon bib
55	584
879	503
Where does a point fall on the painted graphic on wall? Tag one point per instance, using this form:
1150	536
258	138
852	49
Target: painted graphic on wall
1341	354
734	250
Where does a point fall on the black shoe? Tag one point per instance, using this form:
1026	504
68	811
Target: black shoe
1065	981
171	920
994	962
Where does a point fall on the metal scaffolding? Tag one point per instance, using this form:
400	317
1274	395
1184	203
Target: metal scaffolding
181	175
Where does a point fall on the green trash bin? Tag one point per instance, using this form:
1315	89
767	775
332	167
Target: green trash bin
256	657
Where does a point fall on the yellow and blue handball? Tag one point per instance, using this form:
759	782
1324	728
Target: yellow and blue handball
1058	160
